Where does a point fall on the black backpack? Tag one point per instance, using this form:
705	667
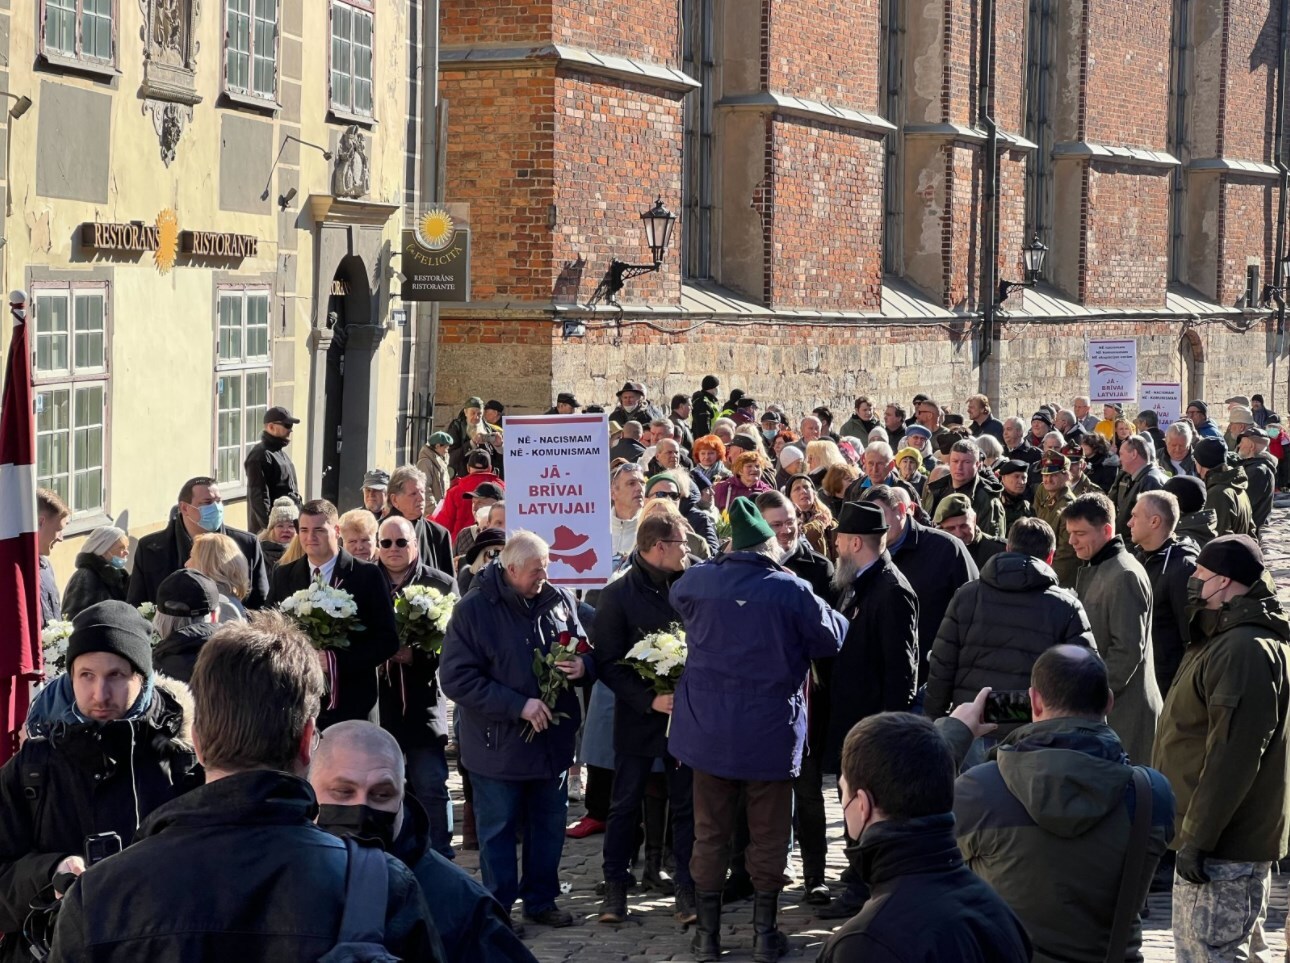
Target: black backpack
362	924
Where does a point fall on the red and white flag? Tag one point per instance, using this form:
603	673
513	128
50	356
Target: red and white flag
20	619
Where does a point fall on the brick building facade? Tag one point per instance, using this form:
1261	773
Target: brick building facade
827	163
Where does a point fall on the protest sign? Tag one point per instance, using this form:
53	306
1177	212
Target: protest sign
557	487
1112	369
1162	397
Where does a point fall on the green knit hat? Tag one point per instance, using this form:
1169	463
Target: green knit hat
747	527
662	476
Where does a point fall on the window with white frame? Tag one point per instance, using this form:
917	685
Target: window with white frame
71	382
251	48
351	58
241	379
79	29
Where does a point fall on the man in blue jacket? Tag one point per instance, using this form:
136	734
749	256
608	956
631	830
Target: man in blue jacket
517	748
738	715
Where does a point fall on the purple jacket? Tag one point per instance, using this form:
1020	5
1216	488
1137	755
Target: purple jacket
752	629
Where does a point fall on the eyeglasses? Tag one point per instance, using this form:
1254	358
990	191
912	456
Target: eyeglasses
672	541
674	496
629	467
391	542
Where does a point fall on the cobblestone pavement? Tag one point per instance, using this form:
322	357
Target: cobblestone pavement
652	935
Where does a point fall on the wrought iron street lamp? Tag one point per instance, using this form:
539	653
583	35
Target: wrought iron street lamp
1032	256
658	223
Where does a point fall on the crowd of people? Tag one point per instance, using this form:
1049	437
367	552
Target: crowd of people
1042	665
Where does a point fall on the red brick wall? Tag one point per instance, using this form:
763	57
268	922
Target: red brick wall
825	50
826	249
1248	114
961	43
1126	241
495	21
1010	63
1128	72
1248	223
961	237
619	146
648	30
501	159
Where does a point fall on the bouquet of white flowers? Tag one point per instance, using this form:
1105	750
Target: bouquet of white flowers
659	658
53	641
422	613
327	615
147	610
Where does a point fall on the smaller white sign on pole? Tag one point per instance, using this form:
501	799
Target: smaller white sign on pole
1112	370
557	487
1164	398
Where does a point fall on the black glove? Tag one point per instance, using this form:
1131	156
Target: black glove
1191	865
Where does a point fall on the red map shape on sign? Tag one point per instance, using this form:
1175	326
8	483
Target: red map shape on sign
583	562
567	540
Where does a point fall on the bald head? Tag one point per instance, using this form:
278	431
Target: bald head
397	559
358	764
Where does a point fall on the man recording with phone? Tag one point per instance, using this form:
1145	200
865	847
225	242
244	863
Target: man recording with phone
1052	820
110	741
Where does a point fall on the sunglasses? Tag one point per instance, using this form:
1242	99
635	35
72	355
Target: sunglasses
391	542
674	496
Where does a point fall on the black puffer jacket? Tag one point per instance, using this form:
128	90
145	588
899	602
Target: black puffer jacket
412	707
997	626
629	609
1169	567
94	581
176	654
260	882
73	779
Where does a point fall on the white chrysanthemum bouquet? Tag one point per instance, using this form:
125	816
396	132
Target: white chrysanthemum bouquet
53	642
659	658
327	615
422	612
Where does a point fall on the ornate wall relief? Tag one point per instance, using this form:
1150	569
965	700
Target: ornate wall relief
169	88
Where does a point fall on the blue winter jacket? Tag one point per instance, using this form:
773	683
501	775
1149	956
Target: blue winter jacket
487	669
752	629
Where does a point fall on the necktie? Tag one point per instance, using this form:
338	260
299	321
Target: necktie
317	576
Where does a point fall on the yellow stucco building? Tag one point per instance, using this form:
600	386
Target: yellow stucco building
201	199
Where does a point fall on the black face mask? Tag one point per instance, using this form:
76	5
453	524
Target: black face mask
361	822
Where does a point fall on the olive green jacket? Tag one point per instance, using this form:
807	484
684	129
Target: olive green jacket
1049	508
1226	492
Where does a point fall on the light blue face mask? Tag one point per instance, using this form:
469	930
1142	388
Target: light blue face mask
117	561
212	516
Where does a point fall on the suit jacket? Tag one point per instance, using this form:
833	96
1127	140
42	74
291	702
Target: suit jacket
356	693
159	555
433	540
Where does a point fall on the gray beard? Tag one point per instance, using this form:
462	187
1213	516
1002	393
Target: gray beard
844	572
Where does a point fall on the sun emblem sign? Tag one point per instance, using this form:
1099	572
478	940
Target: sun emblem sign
167	241
435	229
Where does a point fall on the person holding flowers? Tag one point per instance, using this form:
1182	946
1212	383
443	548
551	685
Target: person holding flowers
514	646
350	659
631	610
412	707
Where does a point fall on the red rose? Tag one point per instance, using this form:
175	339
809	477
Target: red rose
564	640
583	647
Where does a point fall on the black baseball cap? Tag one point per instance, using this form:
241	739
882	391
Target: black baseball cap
278	415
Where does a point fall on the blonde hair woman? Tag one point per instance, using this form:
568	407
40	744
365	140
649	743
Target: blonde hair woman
358	534
218	558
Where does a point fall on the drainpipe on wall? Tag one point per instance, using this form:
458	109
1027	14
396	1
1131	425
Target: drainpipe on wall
429	190
990	206
1278	154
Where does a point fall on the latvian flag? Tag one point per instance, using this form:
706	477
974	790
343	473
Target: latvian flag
20	655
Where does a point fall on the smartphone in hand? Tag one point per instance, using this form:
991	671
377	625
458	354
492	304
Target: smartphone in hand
1008	706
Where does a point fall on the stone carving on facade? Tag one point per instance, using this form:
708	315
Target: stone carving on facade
169	121
170	48
351	175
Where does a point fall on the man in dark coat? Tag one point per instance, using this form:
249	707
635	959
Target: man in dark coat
705	406
1261	470
1017	497
52	516
407	493
629	445
997	626
270	475
351	672
898	794
966	478
412	709
983	422
188	608
358	776
808	788
109	743
633	406
630	608
236	869
1226	487
955	516
1138	458
1169	562
517	750
1016	445
935	564
738	718
200	510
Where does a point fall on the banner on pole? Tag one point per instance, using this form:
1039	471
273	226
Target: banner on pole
557	487
1112	369
1162	397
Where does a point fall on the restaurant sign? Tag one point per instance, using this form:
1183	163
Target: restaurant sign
165	240
436	255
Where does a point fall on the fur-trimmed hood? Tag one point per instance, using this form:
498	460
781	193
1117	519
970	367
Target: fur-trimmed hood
165	704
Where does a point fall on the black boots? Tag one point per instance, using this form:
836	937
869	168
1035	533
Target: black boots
706	943
655	832
769	943
614	907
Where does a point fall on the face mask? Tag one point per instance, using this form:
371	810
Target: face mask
1196	590
212	516
361	822
769	433
117	561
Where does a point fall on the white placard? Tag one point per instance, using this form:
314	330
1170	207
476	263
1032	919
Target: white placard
1112	369
557	487
1162	397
